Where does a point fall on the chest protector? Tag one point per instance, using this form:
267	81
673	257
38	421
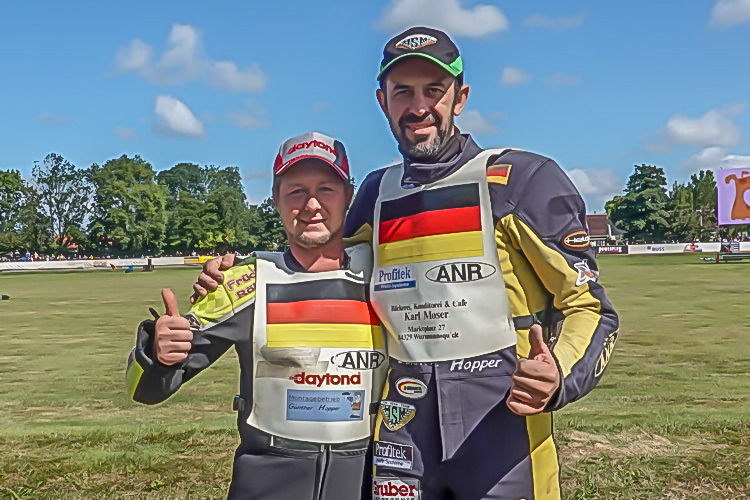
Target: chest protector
437	283
318	355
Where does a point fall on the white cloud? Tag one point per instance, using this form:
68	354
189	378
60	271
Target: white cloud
135	57
562	80
596	186
714	128
472	121
447	15
227	76
726	13
124	133
714	157
514	76
558	23
48	118
244	119
184	60
173	117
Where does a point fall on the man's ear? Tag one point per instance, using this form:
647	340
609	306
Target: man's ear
460	101
381	100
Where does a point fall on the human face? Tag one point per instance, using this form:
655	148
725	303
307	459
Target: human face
420	101
312	200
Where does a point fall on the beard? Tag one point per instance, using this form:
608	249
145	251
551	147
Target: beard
427	148
315	241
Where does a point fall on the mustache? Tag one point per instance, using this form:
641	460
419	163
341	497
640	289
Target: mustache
412	118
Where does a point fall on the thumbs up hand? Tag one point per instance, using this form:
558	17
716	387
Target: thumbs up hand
172	335
536	378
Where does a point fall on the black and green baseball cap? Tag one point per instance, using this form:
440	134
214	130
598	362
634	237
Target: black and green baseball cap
424	42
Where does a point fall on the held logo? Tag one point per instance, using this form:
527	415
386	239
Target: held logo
395	278
577	240
460	272
395	488
411	388
326	379
358	360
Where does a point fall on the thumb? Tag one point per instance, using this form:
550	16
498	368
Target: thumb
536	339
170	302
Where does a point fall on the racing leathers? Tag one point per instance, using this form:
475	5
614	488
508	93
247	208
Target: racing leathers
311	362
455	325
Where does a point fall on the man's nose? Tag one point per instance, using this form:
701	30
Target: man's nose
419	104
312	204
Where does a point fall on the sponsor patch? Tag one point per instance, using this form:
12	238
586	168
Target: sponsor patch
474	365
411	388
396	415
603	361
395	278
498	174
326	379
395	488
324	406
585	274
460	272
358	360
414	42
578	240
393	455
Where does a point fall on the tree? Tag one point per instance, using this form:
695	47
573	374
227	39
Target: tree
267	227
63	197
13	194
705	202
129	212
683	221
642	211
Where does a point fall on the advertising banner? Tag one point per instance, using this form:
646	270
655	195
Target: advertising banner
611	249
734	196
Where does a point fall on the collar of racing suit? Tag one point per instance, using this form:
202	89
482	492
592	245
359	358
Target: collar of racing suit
295	266
460	149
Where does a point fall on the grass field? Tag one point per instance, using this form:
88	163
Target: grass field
671	418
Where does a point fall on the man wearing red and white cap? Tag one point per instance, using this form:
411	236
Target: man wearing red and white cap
310	348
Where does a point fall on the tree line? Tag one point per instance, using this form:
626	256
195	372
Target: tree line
125	207
648	211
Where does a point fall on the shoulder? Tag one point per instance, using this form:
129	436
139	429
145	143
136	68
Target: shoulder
362	211
236	292
536	190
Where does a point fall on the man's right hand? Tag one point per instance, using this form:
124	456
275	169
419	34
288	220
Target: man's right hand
172	337
212	275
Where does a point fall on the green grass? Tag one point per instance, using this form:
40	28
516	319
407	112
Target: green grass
670	419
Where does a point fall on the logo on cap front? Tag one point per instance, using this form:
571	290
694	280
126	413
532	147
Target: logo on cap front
414	42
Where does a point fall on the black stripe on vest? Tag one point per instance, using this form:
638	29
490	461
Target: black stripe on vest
461	196
332	289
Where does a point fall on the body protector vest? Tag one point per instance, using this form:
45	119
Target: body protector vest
437	285
317	351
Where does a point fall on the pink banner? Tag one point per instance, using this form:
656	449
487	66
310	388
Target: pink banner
734	196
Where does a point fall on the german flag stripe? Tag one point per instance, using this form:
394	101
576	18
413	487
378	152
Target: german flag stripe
332	289
427	248
461	196
324	335
321	311
498	173
454	220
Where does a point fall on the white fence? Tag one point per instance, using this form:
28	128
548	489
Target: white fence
57	265
663	248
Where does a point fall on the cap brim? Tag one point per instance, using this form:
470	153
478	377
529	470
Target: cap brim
454	69
291	162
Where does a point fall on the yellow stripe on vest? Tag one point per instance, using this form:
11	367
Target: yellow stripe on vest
324	335
426	248
132	377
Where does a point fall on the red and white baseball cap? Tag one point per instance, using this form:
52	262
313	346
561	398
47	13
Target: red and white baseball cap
312	145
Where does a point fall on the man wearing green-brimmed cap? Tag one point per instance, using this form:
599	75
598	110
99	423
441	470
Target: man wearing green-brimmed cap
487	285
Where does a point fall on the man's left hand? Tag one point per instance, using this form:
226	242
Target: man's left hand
536	378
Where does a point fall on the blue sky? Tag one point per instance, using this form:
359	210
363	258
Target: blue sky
598	86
